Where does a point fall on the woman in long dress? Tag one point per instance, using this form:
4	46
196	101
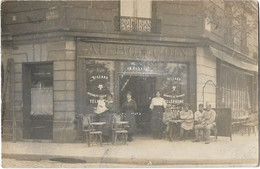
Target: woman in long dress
157	106
128	109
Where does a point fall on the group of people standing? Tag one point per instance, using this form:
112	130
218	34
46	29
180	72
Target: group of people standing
203	119
105	112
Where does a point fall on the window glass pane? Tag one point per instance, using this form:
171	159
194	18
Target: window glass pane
41	76
127	8
237	88
144	9
135	8
42	101
174	85
99	81
42	89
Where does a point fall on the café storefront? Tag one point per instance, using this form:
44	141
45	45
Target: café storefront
116	68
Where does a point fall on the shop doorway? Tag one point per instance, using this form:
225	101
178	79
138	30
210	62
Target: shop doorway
38	101
143	90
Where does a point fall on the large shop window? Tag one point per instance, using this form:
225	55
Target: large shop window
235	90
99	81
141	78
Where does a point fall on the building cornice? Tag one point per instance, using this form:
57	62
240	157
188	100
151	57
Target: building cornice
232	52
127	38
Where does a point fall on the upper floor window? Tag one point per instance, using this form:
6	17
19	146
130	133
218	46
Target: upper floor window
136	15
136	8
240	26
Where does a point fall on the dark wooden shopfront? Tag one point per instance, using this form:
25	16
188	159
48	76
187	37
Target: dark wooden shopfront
116	69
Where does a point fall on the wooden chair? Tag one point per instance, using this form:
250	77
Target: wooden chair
250	125
235	126
119	129
90	131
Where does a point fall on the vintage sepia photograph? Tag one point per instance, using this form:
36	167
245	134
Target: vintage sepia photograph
129	83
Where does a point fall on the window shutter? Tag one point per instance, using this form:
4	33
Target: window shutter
156	25
116	23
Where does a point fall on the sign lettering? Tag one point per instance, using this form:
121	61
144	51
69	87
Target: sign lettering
136	51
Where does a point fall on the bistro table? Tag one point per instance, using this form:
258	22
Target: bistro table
241	118
119	125
98	123
122	122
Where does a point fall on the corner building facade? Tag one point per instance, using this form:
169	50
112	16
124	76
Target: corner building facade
65	54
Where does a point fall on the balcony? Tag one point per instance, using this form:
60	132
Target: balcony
137	24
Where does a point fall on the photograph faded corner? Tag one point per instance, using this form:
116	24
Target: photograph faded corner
129	83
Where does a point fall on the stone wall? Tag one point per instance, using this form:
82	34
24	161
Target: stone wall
62	55
206	70
179	18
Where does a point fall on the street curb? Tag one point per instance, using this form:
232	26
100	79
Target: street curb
146	162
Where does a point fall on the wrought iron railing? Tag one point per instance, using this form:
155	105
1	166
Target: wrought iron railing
136	24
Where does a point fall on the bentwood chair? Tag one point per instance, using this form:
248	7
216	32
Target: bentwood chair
90	131
119	129
251	124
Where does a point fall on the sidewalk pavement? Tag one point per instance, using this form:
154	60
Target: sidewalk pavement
241	151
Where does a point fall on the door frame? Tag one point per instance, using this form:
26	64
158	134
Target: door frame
26	96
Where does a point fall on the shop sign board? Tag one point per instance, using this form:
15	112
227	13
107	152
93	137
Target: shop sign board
139	52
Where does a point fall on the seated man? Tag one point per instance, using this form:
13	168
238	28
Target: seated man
207	123
187	116
168	124
199	114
